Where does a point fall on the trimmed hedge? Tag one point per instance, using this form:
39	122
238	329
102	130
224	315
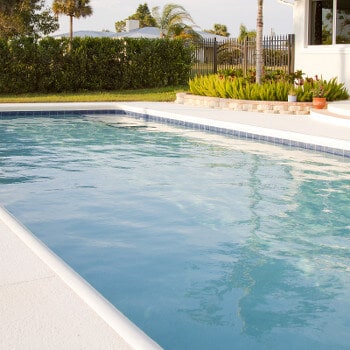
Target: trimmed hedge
92	64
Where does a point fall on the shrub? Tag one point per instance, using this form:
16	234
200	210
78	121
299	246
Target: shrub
275	87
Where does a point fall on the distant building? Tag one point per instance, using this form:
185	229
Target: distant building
133	30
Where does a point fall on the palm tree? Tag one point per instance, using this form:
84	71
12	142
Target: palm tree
184	32
72	8
245	33
219	29
259	42
171	19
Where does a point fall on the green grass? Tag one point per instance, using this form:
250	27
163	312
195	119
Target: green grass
167	94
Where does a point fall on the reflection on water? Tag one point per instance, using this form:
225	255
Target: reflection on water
230	244
294	264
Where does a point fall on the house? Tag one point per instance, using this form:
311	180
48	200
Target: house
322	38
133	30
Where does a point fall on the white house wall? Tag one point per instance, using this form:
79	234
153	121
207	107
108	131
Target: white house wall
327	61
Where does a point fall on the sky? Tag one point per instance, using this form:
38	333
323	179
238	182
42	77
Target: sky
278	18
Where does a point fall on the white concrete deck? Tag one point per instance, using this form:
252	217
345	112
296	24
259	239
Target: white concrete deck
337	113
46	305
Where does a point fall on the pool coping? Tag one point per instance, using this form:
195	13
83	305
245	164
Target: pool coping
288	138
113	318
199	119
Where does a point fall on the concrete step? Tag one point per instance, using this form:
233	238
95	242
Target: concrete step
340	108
337	113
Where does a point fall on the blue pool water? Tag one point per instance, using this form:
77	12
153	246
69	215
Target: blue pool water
204	242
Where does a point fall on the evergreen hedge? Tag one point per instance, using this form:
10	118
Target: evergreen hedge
92	64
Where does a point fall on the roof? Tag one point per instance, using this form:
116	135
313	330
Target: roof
146	32
87	33
211	36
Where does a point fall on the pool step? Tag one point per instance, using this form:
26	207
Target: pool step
336	114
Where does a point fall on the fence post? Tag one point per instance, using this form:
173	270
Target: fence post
215	63
291	53
245	56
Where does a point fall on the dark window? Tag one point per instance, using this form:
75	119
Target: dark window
321	22
343	22
323	25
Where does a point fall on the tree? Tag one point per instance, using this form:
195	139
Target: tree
72	8
244	33
259	42
142	14
120	26
26	17
219	29
172	19
10	21
184	32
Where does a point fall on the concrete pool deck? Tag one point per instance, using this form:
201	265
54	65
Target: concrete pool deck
46	305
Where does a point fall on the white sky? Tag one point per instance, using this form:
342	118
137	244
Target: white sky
231	13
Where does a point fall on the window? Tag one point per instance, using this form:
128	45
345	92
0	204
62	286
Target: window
327	28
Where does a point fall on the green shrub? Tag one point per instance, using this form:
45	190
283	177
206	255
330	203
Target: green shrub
275	87
335	91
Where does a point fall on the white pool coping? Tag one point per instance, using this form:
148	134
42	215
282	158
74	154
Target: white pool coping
299	130
28	268
44	304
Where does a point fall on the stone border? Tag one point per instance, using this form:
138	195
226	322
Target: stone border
274	107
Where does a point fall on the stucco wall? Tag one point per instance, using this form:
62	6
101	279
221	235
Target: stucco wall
327	61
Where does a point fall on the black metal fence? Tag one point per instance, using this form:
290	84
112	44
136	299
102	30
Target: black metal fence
211	56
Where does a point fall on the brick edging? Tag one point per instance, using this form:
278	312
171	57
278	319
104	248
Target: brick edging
276	107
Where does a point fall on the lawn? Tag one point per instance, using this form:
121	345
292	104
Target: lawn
167	94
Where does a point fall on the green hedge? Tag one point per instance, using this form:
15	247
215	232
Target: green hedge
92	64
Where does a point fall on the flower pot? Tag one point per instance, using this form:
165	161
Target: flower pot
319	102
292	98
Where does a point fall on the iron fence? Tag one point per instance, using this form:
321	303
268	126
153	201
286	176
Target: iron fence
211	56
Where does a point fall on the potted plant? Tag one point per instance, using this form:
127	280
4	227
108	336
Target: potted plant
292	94
319	100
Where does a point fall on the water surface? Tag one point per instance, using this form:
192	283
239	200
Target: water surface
204	242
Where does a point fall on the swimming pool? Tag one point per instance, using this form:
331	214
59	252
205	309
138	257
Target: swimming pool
203	241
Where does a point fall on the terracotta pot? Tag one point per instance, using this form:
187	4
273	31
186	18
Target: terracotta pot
319	102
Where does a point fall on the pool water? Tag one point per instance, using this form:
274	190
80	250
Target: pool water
203	241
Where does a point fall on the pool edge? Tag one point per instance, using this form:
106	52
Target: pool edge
119	323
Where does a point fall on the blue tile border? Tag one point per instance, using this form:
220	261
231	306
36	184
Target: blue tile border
244	135
181	123
58	113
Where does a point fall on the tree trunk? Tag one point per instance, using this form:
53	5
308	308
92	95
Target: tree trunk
259	42
70	32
